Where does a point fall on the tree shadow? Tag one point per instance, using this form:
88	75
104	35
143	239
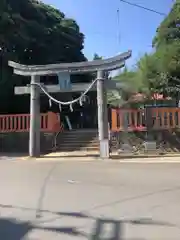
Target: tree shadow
12	229
100	227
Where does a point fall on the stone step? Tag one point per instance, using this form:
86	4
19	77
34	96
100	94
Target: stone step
68	140
68	148
73	132
84	138
81	139
79	136
71	140
79	144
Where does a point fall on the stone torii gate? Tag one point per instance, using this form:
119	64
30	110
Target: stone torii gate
99	66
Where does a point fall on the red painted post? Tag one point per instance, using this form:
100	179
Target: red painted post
114	119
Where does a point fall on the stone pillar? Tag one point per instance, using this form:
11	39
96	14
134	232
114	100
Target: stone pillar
102	116
34	132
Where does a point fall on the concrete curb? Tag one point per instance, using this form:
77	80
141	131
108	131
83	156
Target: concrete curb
60	158
95	156
144	160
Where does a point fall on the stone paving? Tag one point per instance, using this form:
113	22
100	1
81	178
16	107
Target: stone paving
89	200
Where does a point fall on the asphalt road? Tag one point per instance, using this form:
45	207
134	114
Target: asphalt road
83	200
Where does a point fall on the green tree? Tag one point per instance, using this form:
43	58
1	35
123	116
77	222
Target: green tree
169	30
149	74
32	32
167	46
160	70
96	57
129	84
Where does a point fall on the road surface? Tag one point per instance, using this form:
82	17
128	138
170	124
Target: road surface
89	200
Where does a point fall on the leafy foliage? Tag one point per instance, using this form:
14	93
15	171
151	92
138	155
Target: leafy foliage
160	70
29	29
96	57
167	46
129	85
32	32
169	30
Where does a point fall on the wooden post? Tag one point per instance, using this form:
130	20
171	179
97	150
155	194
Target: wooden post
114	125
34	132
102	116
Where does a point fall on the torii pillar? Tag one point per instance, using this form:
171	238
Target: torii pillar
35	118
102	115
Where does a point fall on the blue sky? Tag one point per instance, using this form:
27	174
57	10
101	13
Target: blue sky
99	22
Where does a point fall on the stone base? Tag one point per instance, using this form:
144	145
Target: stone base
19	142
150	146
104	149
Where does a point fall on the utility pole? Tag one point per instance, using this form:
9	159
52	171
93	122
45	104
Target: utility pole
118	28
34	133
102	115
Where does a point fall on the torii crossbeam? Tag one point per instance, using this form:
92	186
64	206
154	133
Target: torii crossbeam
99	66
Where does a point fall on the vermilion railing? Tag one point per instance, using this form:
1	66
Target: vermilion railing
135	120
50	122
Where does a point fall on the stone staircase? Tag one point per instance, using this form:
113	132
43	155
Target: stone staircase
78	140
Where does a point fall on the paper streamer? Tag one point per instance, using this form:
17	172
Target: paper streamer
80	102
50	103
60	108
71	107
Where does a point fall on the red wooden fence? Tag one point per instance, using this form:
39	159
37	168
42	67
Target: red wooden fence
50	122
162	118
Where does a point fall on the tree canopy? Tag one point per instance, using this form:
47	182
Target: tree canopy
96	57
159	71
168	31
32	32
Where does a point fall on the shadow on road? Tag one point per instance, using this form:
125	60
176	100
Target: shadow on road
13	229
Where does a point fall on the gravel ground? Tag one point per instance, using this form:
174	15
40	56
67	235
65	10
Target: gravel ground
166	142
